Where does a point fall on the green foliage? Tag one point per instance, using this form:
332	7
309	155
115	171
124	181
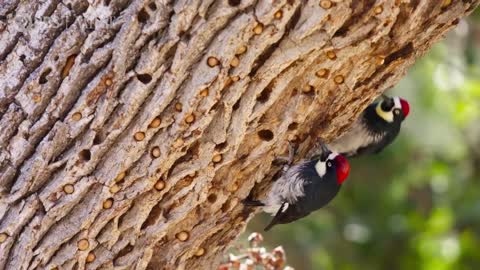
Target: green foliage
417	204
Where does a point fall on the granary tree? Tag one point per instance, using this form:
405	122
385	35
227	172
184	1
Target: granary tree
130	130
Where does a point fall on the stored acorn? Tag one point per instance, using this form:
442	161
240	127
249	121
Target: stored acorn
83	244
322	73
68	189
331	55
160	185
339	79
212	61
217	158
76	116
90	257
156	152
108	203
178	106
258	29
155	123
182	236
120	176
326	4
139	136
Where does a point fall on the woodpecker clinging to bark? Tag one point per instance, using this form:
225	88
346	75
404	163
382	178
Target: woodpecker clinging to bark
304	187
376	128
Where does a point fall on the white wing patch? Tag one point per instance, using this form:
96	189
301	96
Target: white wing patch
285	207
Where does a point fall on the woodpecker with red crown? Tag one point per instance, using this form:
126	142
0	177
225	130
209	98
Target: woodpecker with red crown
376	128
304	187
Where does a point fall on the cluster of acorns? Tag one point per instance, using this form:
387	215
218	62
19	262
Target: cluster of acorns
311	184
256	257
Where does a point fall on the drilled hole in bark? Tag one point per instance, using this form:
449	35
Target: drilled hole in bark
212	198
98	139
152	6
293	20
185	158
234	3
106	2
265	134
219	147
68	65
153	216
85	155
43	76
294	92
144	78
263	56
184	182
226	206
293	126
124	251
265	95
194	150
143	16
403	53
236	105
22	57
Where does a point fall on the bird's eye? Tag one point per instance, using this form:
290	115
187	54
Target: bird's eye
387	105
329	164
396	111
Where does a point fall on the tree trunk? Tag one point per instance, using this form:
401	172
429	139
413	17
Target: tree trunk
131	129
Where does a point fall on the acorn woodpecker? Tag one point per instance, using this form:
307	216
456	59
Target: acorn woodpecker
376	128
304	187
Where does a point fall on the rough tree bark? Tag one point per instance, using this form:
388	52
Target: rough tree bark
131	129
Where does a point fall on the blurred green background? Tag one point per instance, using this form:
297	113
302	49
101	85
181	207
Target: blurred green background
417	204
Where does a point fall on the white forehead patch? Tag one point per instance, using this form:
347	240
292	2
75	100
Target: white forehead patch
321	166
332	156
396	102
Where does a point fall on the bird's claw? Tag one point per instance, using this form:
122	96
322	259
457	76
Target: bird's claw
319	150
286	161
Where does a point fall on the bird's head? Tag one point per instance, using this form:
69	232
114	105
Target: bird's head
333	162
392	109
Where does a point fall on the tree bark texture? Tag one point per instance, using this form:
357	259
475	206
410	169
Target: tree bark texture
131	130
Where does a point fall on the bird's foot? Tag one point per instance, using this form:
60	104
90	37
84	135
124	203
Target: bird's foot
319	150
286	161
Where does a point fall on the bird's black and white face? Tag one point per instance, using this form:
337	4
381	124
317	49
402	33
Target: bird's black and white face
393	109
331	162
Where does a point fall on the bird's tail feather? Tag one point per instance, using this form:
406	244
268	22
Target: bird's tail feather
270	225
276	217
249	202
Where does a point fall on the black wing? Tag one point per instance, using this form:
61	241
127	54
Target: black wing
379	144
318	193
384	133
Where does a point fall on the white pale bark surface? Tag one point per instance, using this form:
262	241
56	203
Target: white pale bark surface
74	94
